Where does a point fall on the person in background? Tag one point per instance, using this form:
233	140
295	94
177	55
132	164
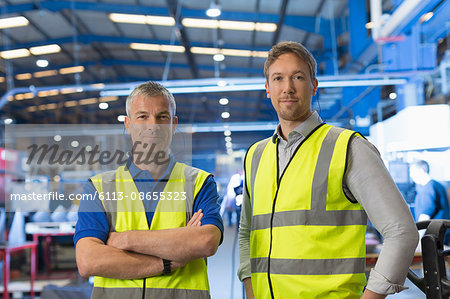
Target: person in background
431	200
151	238
307	190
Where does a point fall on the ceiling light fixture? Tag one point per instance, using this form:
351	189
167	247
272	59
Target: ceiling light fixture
103	106
213	11
223	101
227	133
42	63
24	76
13	22
225	115
47	49
142	19
219	57
392	95
229	25
71	70
228	52
16	53
157	47
47	73
121	118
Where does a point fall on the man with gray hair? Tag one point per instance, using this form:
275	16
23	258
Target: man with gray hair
307	191
152	238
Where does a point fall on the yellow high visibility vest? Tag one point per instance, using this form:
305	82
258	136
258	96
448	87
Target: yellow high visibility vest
190	281
307	239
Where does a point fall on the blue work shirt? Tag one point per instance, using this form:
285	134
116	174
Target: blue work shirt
431	199
92	219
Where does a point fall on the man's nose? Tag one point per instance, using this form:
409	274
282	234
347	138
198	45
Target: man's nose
288	86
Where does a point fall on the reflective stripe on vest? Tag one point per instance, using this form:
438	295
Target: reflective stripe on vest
302	223
191	281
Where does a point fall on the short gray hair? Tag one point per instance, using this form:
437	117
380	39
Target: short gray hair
291	47
151	89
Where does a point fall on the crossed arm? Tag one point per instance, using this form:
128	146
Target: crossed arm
137	254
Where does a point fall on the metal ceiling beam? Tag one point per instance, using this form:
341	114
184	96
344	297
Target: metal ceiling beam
183	35
317	15
91	38
276	34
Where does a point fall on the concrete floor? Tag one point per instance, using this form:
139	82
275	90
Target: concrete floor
224	283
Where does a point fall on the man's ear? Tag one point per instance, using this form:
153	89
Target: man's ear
174	124
315	84
267	89
127	122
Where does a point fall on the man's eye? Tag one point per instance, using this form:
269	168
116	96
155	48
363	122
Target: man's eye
298	77
277	78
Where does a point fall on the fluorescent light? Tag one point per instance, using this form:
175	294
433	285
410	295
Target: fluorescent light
228	52
237	25
156	47
71	70
223	101
47	73
103	106
225	115
17	53
13	22
200	23
42	63
142	19
121	118
28	95
24	76
229	25
219	57
70	103
23	96
127	18
48	93
47	49
109	99
234	52
88	101
68	90
170	48
161	21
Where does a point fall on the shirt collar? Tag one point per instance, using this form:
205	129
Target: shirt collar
137	172
303	129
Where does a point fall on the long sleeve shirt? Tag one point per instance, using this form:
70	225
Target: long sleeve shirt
368	182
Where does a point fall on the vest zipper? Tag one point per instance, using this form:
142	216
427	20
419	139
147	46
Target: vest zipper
275	199
143	289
